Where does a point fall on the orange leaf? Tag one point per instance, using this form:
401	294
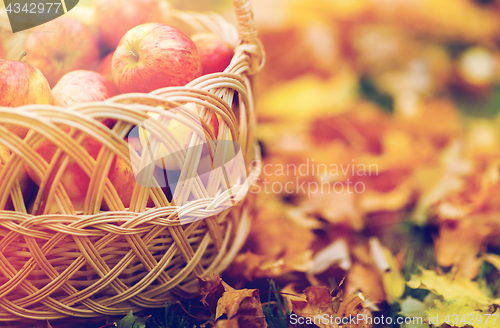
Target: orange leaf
212	292
243	305
319	303
320	308
232	323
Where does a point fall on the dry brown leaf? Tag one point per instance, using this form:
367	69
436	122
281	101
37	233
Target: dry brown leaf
243	305
289	294
318	304
211	292
321	308
231	323
352	306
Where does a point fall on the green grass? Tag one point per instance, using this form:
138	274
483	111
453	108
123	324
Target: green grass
183	314
276	308
370	92
486	107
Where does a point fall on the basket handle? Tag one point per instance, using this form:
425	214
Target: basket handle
247	29
247	32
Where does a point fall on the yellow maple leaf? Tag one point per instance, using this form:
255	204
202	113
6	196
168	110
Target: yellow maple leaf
459	302
461	312
392	279
448	288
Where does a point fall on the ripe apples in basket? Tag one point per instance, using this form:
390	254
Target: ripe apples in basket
61	46
22	84
153	56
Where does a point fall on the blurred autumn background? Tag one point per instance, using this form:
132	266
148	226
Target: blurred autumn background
410	87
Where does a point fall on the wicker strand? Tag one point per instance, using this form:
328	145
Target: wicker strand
247	30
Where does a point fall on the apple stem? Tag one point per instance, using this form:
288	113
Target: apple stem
131	53
23	54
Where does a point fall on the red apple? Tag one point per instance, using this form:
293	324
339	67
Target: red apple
61	46
114	18
101	88
215	53
154	56
105	67
81	87
22	84
122	177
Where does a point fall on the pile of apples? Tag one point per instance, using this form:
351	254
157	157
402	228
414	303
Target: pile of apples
130	49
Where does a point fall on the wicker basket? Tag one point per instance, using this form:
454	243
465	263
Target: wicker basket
93	263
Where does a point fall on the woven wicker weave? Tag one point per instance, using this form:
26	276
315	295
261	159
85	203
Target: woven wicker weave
93	263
